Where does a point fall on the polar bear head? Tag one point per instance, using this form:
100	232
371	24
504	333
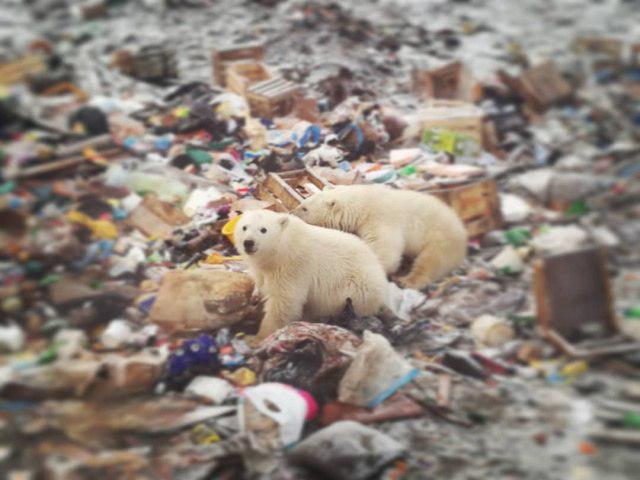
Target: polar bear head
330	208
258	234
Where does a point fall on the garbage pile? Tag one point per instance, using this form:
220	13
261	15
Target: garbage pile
134	134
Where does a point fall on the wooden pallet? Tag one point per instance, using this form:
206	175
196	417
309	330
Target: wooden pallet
21	69
574	302
477	204
222	58
286	190
274	97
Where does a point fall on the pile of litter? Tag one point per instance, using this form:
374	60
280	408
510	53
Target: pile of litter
134	133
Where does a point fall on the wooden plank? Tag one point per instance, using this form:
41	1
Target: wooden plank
62	164
21	69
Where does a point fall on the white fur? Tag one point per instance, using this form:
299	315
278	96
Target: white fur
307	272
394	223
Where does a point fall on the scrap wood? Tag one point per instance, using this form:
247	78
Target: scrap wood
64	164
616	435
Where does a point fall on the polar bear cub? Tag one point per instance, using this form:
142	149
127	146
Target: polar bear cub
307	272
395	223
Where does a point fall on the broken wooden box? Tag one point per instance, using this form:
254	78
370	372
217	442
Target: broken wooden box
239	76
452	81
574	304
274	97
286	190
153	63
452	115
224	57
540	86
477	204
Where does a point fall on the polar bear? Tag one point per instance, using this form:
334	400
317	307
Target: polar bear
395	223
307	272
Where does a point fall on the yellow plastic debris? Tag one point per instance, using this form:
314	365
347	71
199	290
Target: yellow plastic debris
242	377
574	369
99	228
93	156
228	228
204	435
181	112
217	259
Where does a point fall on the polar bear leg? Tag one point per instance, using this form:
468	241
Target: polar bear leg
280	311
388	245
427	267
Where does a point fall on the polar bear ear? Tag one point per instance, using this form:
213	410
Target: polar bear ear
284	221
331	204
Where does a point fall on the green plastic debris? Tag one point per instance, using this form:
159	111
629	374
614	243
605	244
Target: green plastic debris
199	156
7	187
33	268
577	208
517	236
222	144
49	355
455	143
631	420
633	312
154	258
406	171
521	320
49	280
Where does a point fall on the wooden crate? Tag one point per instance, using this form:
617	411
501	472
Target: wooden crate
477	204
575	306
453	115
275	97
242	75
540	86
444	82
150	63
222	58
286	190
20	69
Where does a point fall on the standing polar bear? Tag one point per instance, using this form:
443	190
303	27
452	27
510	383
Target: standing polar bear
307	272
394	223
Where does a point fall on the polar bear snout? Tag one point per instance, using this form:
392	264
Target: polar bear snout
249	246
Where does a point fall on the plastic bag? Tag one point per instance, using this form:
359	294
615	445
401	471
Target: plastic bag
376	373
